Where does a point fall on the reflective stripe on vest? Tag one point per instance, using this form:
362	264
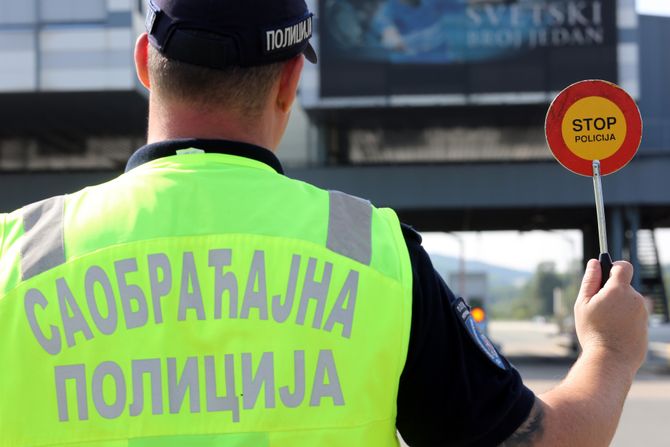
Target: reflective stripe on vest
42	245
154	318
350	226
349	232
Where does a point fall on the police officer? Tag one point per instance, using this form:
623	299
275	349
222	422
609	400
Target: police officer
204	299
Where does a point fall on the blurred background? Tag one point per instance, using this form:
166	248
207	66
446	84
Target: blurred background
433	107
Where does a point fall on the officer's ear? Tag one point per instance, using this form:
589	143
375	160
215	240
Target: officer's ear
288	84
142	60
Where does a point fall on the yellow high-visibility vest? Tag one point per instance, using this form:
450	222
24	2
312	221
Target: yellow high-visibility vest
202	300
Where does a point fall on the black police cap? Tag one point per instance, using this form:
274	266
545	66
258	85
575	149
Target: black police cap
225	33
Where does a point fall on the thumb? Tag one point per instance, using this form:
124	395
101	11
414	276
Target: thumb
591	281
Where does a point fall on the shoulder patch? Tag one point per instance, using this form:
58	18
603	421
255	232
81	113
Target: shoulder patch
410	233
481	340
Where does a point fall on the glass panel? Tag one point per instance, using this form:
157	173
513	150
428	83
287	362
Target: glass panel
13	12
90	57
17	51
72	11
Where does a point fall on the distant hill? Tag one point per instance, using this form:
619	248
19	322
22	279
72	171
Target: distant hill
498	276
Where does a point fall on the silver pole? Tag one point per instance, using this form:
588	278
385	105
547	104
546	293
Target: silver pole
600	207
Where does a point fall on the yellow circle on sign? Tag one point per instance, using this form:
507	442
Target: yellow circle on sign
594	128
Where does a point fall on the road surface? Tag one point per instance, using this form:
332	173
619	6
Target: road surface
538	352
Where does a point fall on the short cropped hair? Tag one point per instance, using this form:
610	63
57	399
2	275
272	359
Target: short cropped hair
240	89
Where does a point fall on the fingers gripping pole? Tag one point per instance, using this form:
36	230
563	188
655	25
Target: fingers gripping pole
605	267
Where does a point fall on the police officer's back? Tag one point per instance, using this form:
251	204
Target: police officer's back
203	298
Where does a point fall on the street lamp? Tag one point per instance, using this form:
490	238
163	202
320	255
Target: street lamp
461	263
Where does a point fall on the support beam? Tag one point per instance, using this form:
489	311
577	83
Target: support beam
632	215
615	232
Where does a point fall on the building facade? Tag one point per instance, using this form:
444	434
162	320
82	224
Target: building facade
71	112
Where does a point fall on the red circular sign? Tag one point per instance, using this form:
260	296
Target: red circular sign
593	120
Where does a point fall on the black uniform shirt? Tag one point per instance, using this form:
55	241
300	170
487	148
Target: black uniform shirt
452	391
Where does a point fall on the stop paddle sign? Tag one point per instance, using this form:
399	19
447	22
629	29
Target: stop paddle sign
593	120
594	128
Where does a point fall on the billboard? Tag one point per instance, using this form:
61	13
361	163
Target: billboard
425	51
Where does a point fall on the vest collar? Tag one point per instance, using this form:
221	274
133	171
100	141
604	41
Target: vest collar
162	149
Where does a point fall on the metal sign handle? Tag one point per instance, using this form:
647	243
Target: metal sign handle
604	258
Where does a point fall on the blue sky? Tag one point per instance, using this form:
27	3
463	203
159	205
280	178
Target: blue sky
523	250
653	7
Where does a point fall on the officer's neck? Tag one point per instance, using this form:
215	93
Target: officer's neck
169	121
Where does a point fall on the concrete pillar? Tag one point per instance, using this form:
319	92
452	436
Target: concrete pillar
615	232
633	221
590	243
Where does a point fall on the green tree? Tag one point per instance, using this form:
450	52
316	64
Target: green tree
539	292
536	297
